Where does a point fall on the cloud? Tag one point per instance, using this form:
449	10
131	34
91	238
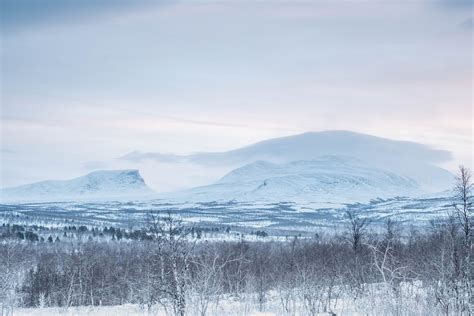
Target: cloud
94	165
137	156
306	146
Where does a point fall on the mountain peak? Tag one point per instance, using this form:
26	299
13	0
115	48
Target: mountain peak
130	173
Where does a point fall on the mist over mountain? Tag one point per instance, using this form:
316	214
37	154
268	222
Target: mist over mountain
406	159
104	184
311	145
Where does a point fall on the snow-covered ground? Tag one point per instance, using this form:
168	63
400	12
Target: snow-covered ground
380	300
278	219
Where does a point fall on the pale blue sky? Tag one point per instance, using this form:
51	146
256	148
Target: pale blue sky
84	82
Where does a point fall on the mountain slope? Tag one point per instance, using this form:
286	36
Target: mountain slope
332	179
121	184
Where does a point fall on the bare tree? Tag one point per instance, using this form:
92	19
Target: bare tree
463	203
463	213
206	279
168	272
10	260
356	233
357	230
175	235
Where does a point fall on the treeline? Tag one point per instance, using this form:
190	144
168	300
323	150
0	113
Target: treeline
38	233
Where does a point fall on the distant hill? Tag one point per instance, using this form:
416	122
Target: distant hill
106	184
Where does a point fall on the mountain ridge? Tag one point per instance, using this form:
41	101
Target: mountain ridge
319	164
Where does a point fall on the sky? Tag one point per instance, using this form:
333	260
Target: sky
86	82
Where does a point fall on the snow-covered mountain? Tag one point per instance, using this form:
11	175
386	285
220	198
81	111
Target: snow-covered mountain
330	179
323	166
406	159
106	184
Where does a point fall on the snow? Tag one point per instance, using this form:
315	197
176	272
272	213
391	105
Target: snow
277	219
378	301
327	179
102	184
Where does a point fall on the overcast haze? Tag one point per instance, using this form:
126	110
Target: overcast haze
84	83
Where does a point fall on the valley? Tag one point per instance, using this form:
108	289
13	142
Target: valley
276	219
